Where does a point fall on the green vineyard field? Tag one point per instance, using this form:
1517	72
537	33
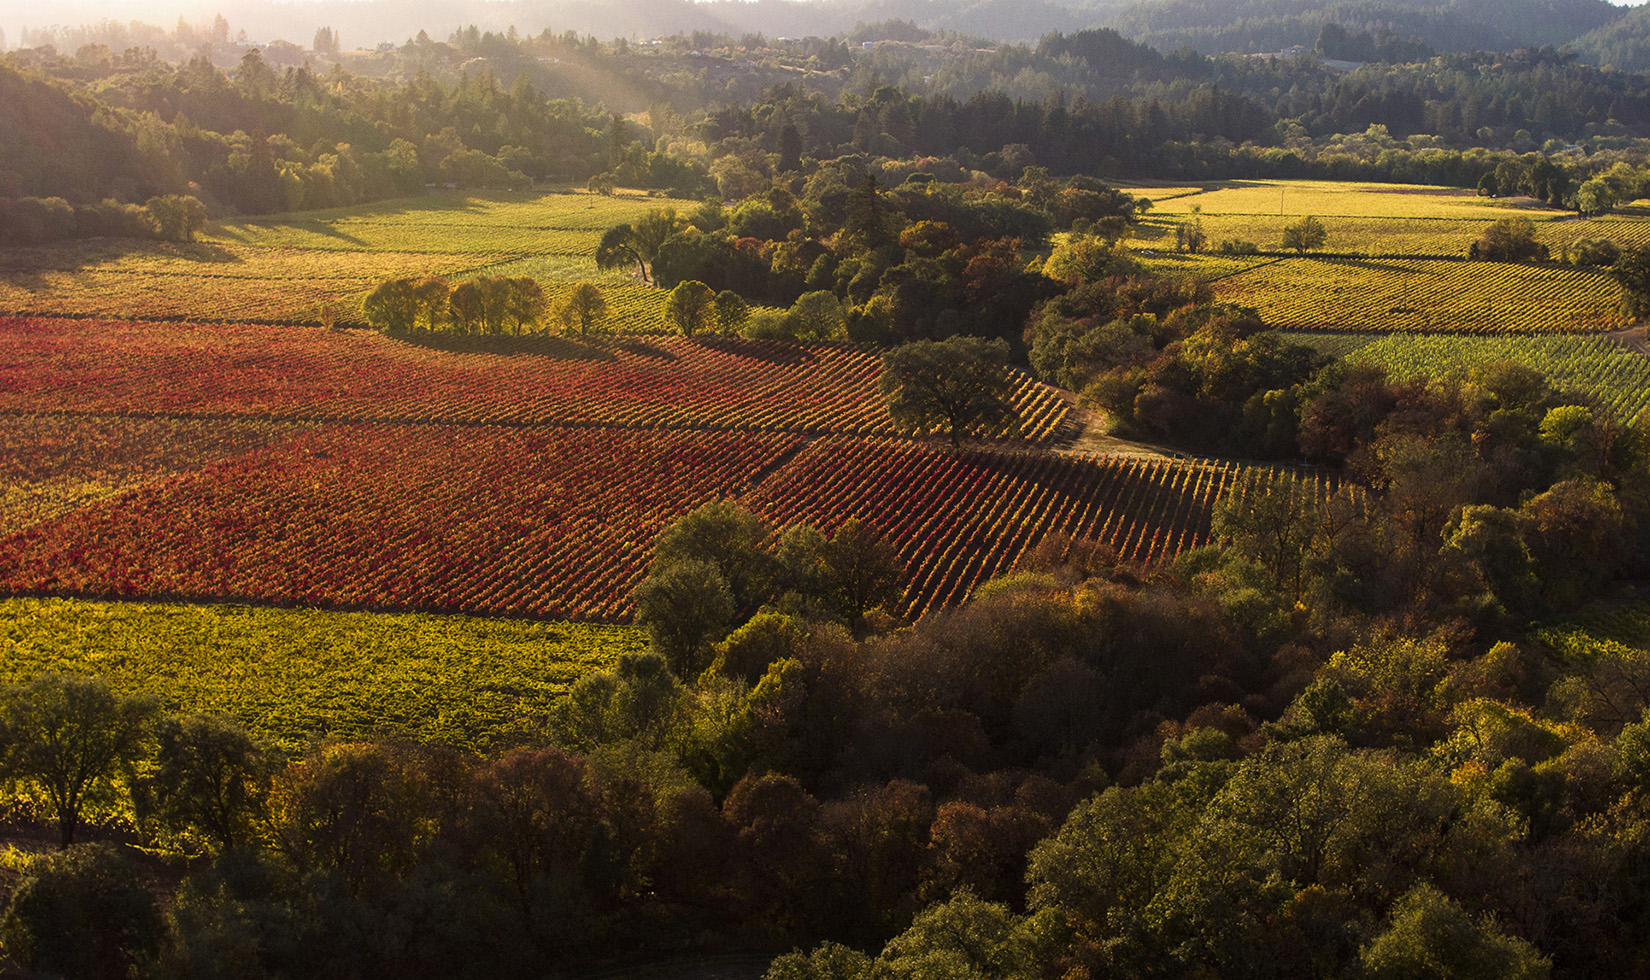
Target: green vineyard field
1618	377
318	266
1393	260
1293	198
296	675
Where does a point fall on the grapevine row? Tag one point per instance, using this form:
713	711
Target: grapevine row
127	368
1466	297
543	523
957	520
559	523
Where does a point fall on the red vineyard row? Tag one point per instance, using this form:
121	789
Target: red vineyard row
559	523
126	368
958	520
36	449
554	523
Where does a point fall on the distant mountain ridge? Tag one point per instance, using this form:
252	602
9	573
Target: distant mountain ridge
1256	26
1600	31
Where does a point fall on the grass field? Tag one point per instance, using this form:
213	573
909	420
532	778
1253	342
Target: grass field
304	268
1618	377
295	675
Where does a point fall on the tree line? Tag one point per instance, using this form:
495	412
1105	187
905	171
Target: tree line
264	138
482	305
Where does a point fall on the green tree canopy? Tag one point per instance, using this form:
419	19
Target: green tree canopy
685	606
583	309
177	216
209	778
691	307
960	385
393	305
1304	235
71	737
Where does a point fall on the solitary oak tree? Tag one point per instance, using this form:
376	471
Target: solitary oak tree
1305	235
960	384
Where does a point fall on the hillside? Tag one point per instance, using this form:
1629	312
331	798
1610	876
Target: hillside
1251	26
1622	43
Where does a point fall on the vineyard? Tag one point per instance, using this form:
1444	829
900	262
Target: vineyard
528	476
959	520
1417	294
436	518
136	369
307	269
345	469
50	466
293	676
1618	377
534	521
1395	258
1374	237
1293	198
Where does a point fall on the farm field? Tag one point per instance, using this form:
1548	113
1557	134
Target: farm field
1618	377
50	465
307	267
1374	237
1395	258
1324	198
296	675
532	522
1418	294
519	477
270	372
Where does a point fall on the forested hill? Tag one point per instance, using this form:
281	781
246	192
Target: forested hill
1623	43
261	130
1252	26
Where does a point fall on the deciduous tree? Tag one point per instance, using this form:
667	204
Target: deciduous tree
1304	235
392	306
960	385
691	306
583	308
71	737
210	777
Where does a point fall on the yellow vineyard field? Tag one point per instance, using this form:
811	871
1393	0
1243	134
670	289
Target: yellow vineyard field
1416	294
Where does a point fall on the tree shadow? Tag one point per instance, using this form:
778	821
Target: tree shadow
31	266
769	351
536	345
641	348
248	232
